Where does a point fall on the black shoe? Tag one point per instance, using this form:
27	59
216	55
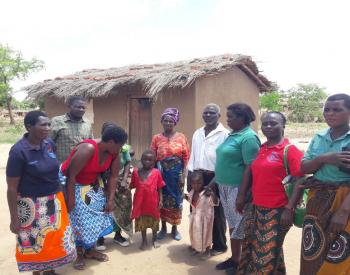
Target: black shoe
231	271
100	245
214	252
225	265
101	241
119	239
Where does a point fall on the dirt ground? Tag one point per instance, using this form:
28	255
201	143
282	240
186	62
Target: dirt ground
171	258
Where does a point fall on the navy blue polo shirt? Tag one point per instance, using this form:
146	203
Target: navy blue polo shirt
37	167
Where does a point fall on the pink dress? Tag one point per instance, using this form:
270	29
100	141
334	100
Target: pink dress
201	222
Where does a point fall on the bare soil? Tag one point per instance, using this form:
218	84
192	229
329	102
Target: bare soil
171	258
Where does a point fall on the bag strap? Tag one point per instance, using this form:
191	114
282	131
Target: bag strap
285	158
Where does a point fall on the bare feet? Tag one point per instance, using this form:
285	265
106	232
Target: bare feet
156	244
205	255
143	245
190	248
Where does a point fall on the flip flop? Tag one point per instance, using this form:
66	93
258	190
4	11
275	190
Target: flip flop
79	265
97	256
161	235
50	272
176	235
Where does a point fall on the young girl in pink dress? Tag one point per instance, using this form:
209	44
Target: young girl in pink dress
202	216
147	201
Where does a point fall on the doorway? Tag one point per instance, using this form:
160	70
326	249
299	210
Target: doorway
140	124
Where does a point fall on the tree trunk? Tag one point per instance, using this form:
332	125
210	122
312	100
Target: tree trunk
9	109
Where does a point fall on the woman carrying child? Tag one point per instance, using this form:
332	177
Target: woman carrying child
202	215
147	201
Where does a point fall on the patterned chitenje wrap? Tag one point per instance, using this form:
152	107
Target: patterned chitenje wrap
262	249
323	252
45	240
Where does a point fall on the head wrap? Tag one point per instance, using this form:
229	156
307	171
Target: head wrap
171	112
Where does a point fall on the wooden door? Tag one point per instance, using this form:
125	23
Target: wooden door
140	124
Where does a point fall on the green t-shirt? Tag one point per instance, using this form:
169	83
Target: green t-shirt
321	144
234	154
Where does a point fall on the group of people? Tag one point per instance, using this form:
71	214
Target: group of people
66	192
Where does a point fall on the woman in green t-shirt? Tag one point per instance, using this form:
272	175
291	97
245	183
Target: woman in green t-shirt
233	159
325	243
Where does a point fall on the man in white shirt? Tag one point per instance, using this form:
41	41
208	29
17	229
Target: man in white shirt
203	157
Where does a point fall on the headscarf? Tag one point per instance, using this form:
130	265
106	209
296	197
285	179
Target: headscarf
173	113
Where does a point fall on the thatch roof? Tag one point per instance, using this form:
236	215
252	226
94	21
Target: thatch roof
154	79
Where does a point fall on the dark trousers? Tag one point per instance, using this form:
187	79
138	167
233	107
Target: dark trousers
219	227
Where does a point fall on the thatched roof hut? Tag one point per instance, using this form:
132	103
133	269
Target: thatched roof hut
154	79
187	85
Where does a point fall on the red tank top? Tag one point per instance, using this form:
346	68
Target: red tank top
92	169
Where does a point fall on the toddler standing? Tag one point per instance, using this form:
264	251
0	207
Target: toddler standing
202	216
147	201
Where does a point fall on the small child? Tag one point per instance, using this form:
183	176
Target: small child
147	201
202	216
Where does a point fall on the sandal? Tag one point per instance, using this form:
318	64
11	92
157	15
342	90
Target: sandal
161	235
50	272
176	235
95	255
79	264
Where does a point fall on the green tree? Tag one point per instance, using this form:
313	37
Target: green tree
271	101
305	103
24	105
14	66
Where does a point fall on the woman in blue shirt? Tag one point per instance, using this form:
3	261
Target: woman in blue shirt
38	211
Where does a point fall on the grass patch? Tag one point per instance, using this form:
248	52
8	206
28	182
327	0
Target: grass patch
301	130
11	133
304	130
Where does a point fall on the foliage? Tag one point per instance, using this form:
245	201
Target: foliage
11	133
14	66
271	101
305	103
24	105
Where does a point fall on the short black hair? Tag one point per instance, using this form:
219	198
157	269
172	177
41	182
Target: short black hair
242	110
117	134
196	174
32	117
74	98
283	117
107	125
149	151
344	97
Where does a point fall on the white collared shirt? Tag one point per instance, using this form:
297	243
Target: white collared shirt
203	152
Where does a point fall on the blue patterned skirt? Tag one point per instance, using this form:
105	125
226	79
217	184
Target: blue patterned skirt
88	224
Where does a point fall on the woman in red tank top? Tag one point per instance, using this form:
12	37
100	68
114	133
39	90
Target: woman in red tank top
86	161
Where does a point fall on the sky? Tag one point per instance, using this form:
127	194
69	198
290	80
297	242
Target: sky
292	41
